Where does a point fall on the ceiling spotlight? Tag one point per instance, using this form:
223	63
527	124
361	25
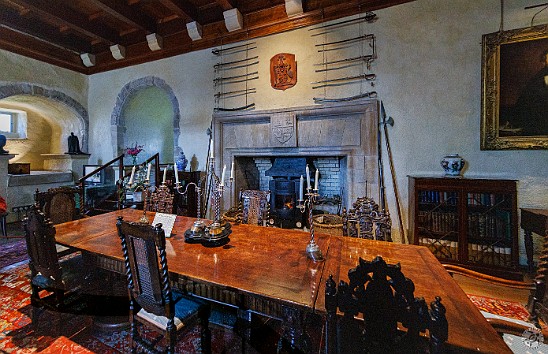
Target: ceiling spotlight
88	59
118	51
194	30
233	20
293	7
154	41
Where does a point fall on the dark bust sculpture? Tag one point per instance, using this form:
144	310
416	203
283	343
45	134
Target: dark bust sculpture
73	145
2	144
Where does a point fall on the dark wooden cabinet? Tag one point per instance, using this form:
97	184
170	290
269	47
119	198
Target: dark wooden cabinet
470	222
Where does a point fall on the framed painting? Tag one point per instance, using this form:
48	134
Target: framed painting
514	102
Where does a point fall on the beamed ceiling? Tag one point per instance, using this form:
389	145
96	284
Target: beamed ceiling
59	31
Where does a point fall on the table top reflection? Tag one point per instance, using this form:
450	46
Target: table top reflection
272	263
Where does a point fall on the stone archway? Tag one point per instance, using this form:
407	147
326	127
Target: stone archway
15	89
118	126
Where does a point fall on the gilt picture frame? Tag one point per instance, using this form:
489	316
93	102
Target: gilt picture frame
514	102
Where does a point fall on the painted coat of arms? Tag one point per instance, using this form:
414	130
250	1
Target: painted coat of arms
283	71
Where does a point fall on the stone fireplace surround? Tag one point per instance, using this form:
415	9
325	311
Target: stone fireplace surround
347	131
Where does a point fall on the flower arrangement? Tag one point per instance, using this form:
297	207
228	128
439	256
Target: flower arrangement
134	151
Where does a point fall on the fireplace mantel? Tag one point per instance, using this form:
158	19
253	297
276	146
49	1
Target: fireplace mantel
347	130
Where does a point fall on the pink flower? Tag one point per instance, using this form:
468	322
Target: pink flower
135	150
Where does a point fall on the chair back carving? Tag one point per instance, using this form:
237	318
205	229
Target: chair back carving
161	200
365	220
383	297
43	259
144	248
254	206
59	204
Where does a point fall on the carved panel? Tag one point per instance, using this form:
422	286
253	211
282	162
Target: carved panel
282	130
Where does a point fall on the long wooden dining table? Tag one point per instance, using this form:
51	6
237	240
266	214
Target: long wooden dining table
267	271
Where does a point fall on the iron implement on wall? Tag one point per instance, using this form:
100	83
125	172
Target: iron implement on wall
233	79
235	93
343	80
370	94
234	49
251	105
283	71
369	17
348	40
346	63
233	64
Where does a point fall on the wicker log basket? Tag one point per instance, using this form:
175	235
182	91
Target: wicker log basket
330	224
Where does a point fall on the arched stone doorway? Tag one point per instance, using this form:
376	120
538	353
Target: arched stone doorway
60	114
118	123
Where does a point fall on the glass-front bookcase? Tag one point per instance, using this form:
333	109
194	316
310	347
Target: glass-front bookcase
470	222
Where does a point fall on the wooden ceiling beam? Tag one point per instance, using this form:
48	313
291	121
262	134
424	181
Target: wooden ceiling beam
226	4
183	9
64	15
127	14
31	47
12	20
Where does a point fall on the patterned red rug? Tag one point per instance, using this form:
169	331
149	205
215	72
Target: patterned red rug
76	332
12	251
500	307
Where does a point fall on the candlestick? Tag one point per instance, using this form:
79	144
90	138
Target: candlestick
211	148
232	171
148	171
132	174
316	179
223	176
165	172
301	185
176	170
307	177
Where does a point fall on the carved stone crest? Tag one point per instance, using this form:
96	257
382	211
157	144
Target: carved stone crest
283	71
282	130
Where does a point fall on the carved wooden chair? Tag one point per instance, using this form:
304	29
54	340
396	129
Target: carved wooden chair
365	220
253	206
535	292
160	200
382	296
152	301
47	273
60	205
3	225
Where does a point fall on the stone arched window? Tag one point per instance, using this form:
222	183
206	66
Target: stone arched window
8	90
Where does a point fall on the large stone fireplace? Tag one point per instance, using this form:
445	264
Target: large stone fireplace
340	140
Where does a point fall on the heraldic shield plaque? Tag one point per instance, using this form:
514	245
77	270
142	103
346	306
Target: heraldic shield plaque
283	130
283	71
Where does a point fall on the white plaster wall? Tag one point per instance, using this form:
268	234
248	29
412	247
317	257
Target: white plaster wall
190	76
428	75
15	68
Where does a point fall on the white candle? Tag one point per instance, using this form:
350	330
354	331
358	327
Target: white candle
131	178
301	186
165	171
307	177
148	171
232	171
176	170
223	176
211	148
316	179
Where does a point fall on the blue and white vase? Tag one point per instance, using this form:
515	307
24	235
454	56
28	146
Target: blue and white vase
452	164
181	162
